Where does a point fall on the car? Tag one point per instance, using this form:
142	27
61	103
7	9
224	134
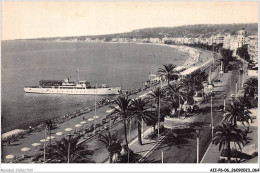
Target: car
216	80
232	96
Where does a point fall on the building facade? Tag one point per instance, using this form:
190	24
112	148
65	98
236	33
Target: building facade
253	47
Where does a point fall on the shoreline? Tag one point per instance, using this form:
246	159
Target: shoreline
190	60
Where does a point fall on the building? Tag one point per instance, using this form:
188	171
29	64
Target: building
241	37
219	39
165	38
253	47
253	73
226	43
230	42
155	40
234	43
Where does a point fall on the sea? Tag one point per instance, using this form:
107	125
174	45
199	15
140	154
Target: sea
26	62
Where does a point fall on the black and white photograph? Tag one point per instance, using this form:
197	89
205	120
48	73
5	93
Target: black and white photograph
156	86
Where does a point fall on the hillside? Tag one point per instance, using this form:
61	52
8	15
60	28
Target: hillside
180	31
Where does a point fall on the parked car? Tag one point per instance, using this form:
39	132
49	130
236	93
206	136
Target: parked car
216	80
232	96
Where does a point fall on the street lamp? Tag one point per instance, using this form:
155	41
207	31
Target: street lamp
162	156
211	113
242	74
224	102
69	147
198	144
142	128
236	87
44	146
159	116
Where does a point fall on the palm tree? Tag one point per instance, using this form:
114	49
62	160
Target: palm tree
177	93
226	56
168	72
236	111
198	78
49	126
188	82
112	142
244	101
251	86
158	95
227	133
69	149
123	110
140	112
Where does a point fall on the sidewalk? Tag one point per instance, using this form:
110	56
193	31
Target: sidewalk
141	149
212	154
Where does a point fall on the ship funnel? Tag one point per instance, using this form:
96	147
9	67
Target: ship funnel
66	80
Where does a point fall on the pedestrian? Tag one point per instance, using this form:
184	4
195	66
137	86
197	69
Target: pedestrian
30	129
83	118
9	141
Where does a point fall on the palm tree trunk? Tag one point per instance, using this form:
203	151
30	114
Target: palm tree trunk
229	152
126	142
110	157
235	121
50	144
139	133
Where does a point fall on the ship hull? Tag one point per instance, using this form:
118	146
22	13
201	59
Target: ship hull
91	91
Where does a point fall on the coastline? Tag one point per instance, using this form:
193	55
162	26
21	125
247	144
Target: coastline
189	61
35	134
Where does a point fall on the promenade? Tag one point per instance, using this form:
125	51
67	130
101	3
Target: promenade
36	136
100	152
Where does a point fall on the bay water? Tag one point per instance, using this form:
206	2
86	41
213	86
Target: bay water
25	63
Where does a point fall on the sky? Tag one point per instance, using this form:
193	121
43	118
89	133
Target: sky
21	20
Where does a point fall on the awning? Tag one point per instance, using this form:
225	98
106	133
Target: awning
11	133
189	71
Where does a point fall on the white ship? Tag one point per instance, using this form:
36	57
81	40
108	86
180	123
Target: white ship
67	87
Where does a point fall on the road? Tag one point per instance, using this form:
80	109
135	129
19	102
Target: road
180	145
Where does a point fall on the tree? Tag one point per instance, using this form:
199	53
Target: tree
236	111
245	102
243	52
251	86
226	57
112	142
188	82
198	79
158	95
123	110
178	93
168	71
70	149
227	133
141	112
49	126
